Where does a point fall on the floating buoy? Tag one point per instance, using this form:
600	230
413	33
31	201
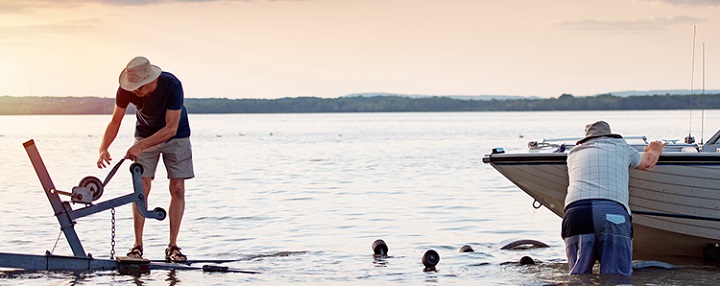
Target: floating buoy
430	259
466	248
712	252
527	260
379	247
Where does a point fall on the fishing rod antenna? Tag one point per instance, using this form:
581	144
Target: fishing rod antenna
702	99
690	139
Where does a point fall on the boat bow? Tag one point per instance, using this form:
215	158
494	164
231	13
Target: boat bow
676	205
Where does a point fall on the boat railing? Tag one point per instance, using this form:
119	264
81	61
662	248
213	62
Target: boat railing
559	145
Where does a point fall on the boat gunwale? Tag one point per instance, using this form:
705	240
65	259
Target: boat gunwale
558	158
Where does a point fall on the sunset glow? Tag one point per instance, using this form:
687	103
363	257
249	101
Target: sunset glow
274	49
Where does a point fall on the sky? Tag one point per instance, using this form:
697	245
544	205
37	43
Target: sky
331	48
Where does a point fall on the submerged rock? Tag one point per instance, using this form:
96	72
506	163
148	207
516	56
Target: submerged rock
521	244
645	264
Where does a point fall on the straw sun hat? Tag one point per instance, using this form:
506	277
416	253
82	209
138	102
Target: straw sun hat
598	129
138	72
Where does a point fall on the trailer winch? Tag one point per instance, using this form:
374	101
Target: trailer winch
90	188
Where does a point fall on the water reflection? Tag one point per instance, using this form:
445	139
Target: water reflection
380	260
172	278
303	204
137	281
431	277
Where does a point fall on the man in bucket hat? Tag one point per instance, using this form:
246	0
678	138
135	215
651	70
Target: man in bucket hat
597	223
162	129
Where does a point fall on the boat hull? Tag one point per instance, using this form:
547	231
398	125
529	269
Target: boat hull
679	198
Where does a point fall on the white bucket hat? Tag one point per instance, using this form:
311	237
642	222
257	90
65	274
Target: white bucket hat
598	129
138	72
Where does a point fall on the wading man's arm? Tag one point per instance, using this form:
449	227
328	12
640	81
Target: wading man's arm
110	133
651	155
172	121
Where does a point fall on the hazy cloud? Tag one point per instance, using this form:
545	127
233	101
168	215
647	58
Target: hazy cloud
637	25
146	2
10	6
14	6
692	2
48	29
22	34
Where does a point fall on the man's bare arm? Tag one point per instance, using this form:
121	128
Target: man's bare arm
110	133
651	155
172	120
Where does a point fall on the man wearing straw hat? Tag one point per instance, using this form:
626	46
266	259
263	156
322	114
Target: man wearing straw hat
597	223
162	129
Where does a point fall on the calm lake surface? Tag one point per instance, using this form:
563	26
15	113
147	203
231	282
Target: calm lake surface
300	198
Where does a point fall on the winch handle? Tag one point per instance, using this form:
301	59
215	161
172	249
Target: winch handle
113	171
158	213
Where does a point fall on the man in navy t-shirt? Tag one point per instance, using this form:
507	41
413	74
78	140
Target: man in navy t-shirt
162	129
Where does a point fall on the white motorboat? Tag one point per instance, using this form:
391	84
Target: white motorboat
675	205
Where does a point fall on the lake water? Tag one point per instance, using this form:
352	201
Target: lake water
300	198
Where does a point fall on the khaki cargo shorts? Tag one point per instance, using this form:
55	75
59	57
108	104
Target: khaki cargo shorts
177	157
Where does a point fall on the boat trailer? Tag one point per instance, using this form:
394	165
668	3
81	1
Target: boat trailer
90	189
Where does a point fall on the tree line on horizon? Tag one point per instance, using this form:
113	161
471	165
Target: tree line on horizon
567	102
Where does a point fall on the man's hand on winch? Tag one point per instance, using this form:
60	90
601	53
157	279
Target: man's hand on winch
134	152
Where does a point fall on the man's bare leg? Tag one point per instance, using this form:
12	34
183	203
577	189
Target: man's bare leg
138	219
177	208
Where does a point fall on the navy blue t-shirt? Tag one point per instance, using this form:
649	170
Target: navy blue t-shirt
151	109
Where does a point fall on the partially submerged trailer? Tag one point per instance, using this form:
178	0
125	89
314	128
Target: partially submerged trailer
89	190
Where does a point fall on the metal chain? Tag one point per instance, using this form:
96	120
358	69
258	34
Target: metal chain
112	237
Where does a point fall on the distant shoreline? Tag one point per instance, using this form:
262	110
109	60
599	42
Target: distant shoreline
10	105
